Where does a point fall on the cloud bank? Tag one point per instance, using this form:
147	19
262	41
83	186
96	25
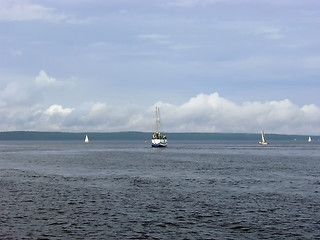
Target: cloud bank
22	108
19	10
212	113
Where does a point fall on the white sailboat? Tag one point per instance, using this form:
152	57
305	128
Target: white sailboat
263	139
86	140
309	139
159	139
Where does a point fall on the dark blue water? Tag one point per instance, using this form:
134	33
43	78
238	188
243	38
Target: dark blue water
190	190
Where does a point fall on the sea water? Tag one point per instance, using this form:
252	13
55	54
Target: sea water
189	190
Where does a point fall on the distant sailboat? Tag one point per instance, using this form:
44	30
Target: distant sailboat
158	138
263	139
309	139
86	140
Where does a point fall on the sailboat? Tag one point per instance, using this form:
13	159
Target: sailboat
86	140
159	139
309	139
263	139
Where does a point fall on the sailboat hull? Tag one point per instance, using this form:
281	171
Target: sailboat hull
159	143
263	143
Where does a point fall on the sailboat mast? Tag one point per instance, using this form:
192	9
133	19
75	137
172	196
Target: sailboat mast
158	123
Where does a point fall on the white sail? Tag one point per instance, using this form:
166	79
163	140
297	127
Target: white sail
263	139
309	139
86	140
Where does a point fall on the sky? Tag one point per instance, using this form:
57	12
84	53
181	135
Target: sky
210	65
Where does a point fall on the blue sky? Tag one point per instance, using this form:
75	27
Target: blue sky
210	65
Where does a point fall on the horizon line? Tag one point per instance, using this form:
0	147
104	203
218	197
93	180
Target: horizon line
147	132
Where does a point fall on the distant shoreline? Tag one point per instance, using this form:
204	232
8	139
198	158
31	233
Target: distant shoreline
143	136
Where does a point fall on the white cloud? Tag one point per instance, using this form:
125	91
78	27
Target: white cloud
183	47
20	10
44	79
22	108
160	39
18	94
58	110
192	3
23	102
207	113
153	36
13	92
21	91
311	112
101	116
53	118
253	27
